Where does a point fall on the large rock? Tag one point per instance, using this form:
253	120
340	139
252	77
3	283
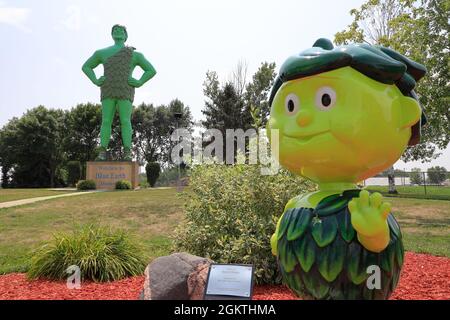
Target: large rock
180	276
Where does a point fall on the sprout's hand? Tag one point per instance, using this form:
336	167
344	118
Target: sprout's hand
100	81
369	214
134	83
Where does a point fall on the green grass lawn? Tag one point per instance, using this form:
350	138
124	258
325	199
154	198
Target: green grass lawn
151	216
425	224
433	192
18	194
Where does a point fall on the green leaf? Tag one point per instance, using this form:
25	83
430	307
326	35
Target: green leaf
315	284
285	223
301	223
353	292
356	268
305	250
345	226
331	259
387	257
286	255
394	227
324	231
295	282
330	205
399	252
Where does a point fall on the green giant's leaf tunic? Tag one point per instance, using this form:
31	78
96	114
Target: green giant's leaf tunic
117	71
320	256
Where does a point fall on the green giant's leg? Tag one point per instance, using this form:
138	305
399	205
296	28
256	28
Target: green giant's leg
125	109
108	110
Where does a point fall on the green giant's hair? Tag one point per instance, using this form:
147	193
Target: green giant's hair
376	62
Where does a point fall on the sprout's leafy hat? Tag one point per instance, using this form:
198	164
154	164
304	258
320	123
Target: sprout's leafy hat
376	62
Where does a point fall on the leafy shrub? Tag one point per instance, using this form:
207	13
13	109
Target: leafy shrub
101	254
152	170
123	185
73	172
437	175
86	185
144	184
416	176
231	213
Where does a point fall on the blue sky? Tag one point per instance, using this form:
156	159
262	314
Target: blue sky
44	44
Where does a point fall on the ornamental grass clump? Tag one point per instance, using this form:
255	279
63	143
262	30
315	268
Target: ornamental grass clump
102	254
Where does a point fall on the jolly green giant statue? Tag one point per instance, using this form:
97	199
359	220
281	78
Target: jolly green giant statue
117	85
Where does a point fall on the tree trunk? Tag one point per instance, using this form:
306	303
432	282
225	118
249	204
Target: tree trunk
52	175
5	176
391	179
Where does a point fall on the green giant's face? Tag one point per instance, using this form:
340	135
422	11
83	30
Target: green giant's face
119	33
341	126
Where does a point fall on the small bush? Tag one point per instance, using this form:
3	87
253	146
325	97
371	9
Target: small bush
144	184
73	172
231	213
86	185
101	254
152	170
123	185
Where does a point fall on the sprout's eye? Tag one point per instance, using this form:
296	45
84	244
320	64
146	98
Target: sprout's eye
325	98
291	104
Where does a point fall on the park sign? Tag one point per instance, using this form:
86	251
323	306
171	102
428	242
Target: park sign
229	282
107	173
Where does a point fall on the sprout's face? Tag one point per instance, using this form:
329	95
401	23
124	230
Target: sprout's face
341	126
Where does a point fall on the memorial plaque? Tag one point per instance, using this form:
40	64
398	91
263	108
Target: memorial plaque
229	282
107	173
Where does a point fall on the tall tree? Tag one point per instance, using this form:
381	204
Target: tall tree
7	154
225	108
418	29
257	94
83	123
152	129
250	106
34	147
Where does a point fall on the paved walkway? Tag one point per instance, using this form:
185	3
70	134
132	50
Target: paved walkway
21	202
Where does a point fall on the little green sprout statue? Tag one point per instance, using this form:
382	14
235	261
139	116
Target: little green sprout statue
343	115
117	85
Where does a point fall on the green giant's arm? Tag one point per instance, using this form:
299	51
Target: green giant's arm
149	70
89	66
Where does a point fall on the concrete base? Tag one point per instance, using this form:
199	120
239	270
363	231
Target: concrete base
107	173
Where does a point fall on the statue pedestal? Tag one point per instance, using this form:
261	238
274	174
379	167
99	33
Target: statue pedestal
107	173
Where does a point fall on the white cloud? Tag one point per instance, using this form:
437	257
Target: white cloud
13	16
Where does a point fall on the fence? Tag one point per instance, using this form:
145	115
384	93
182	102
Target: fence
413	184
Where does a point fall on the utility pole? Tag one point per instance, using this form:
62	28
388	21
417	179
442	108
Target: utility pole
178	116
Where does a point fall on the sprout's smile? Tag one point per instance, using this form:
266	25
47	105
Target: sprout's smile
302	137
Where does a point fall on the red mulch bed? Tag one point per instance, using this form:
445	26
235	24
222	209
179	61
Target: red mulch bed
423	277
